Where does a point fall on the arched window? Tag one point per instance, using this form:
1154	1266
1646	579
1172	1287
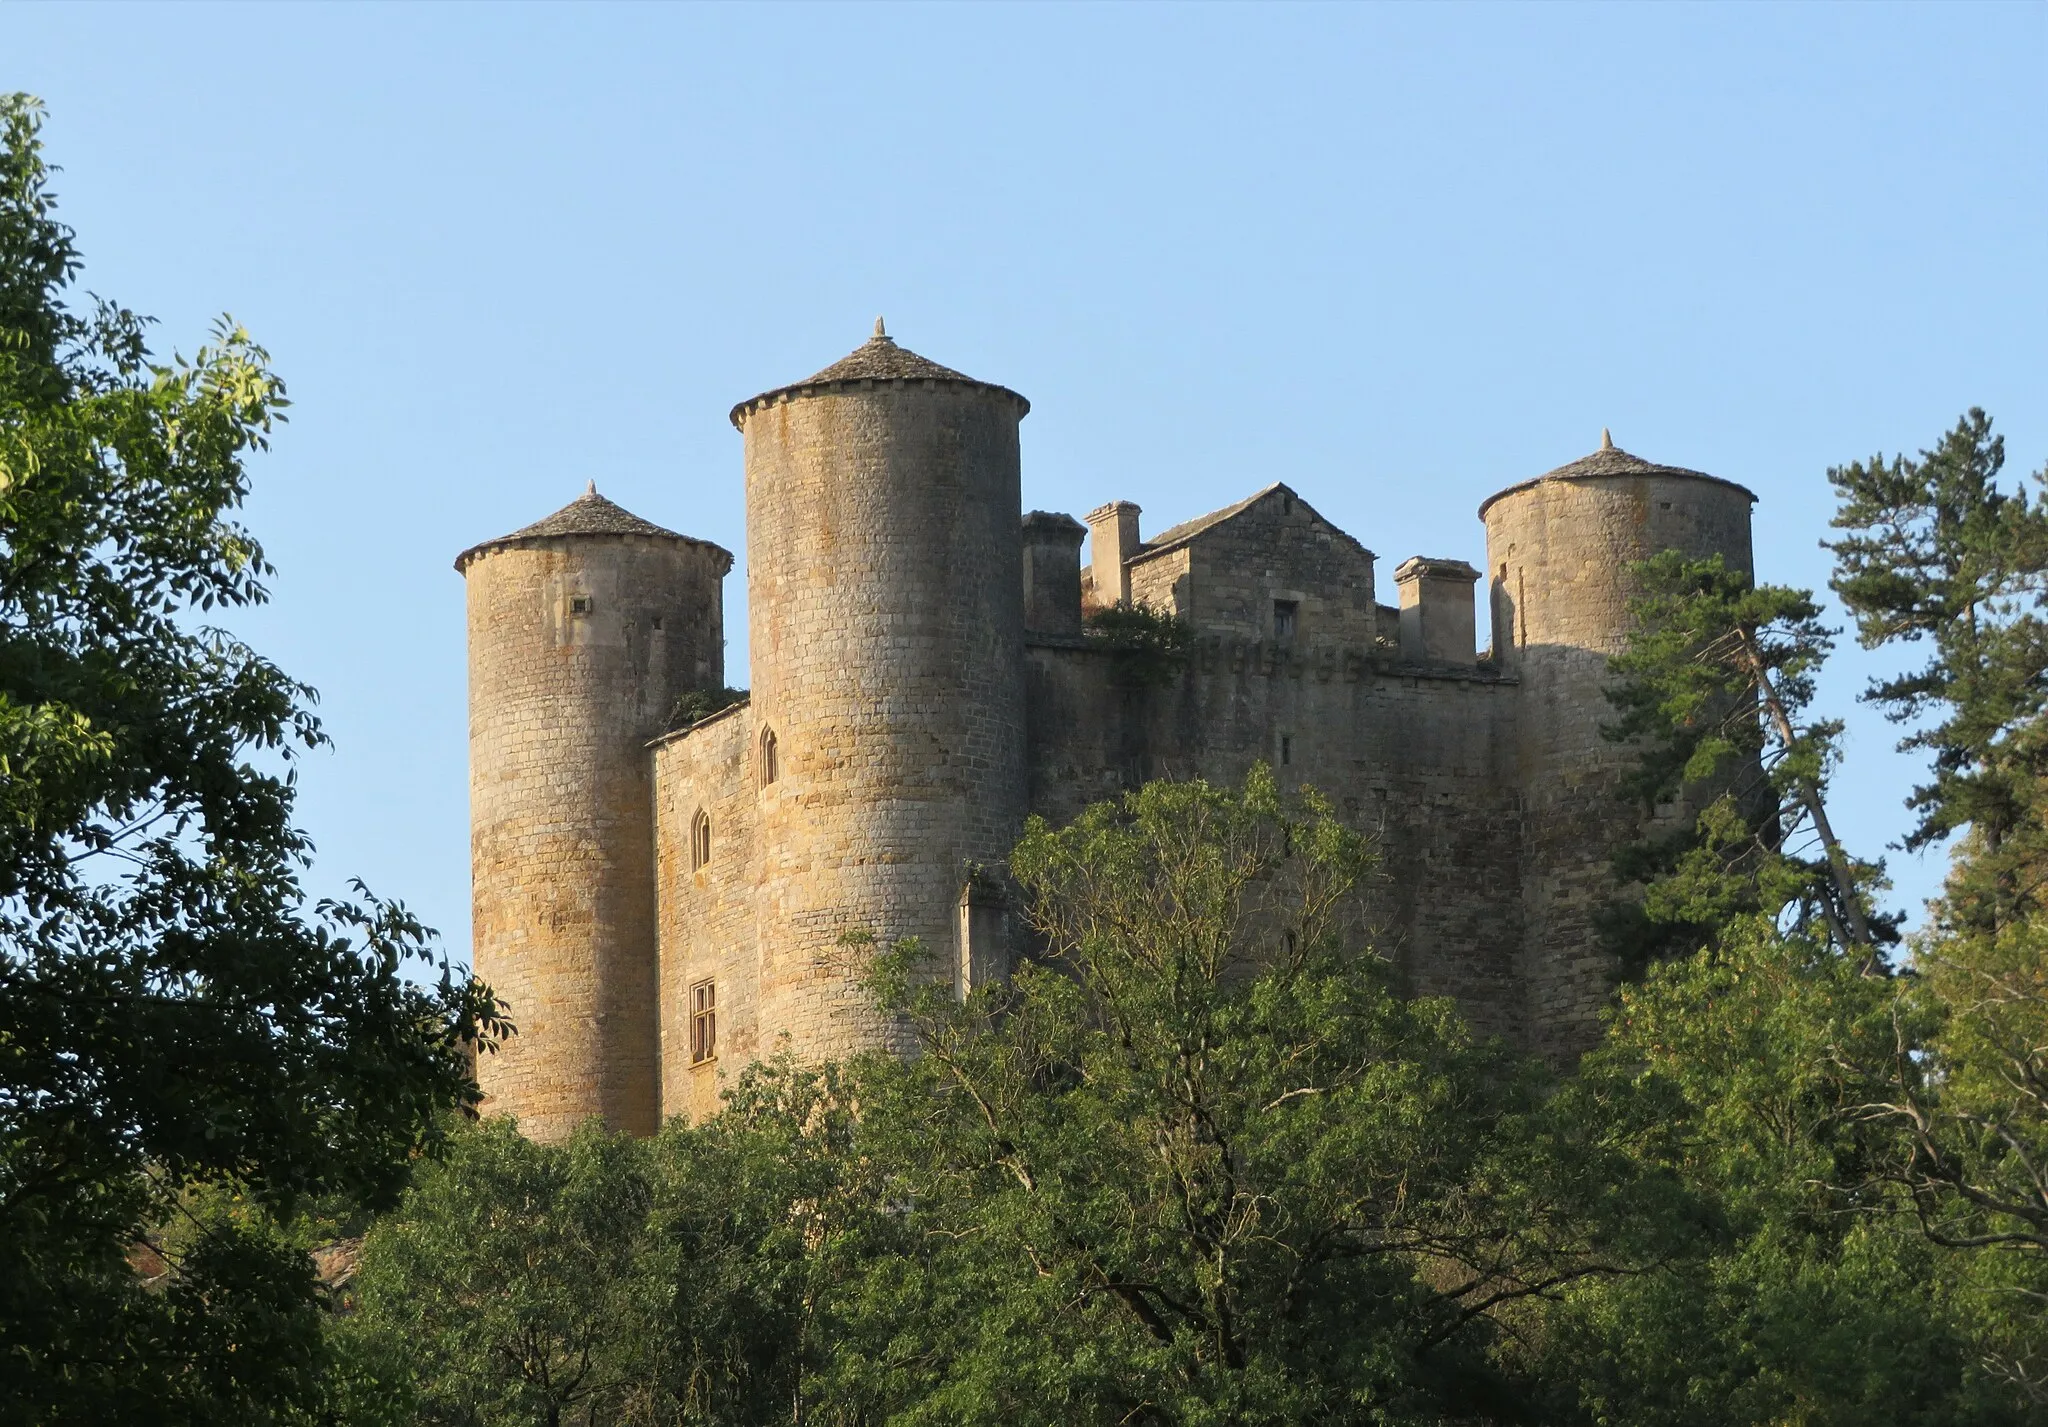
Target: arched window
771	768
700	839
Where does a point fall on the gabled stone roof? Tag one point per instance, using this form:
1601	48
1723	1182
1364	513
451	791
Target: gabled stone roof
588	514
1609	462
878	359
1177	535
1188	529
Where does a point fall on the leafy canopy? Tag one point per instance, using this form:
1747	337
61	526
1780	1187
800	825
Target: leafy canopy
1934	553
1731	775
694	1277
172	1012
1199	1162
1876	1143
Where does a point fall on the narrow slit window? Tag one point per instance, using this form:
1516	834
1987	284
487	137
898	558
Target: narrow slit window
771	764
1286	749
703	1022
700	840
1284	612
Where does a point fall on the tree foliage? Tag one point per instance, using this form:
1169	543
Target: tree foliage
693	706
1713	692
1198	1162
172	1013
1877	1140
1934	553
1151	646
691	1278
1745	1073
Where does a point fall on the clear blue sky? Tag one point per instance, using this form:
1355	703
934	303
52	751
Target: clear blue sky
1396	256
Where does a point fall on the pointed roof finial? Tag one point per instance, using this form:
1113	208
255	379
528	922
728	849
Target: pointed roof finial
590	487
1606	441
881	332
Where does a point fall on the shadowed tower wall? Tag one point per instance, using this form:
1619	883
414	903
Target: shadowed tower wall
885	612
583	630
1559	551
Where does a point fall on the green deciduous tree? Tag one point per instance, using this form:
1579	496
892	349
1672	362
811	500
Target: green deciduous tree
693	1278
1969	1099
507	1290
172	1013
1871	1141
1198	1162
1744	1072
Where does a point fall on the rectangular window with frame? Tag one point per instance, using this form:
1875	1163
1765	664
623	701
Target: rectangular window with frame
703	1022
1284	612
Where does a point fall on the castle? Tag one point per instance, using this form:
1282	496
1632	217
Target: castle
656	902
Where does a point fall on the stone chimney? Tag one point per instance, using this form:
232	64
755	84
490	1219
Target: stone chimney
1112	539
1052	573
1436	611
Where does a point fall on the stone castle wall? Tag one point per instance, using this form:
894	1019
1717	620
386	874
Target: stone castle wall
705	907
1421	759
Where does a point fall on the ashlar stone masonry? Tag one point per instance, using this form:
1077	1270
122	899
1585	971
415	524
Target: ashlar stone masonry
659	905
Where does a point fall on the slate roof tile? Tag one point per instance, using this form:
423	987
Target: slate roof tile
877	359
588	514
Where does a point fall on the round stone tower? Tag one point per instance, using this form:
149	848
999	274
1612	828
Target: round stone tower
1559	553
583	630
885	610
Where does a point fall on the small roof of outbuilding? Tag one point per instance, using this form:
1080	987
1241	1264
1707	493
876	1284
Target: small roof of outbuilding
588	514
1175	536
1609	462
877	359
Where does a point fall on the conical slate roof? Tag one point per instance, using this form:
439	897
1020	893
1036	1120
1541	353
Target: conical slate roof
1607	462
588	514
881	358
877	359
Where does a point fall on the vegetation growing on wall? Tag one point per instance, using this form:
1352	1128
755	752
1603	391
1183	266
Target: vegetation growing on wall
1151	646
699	704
